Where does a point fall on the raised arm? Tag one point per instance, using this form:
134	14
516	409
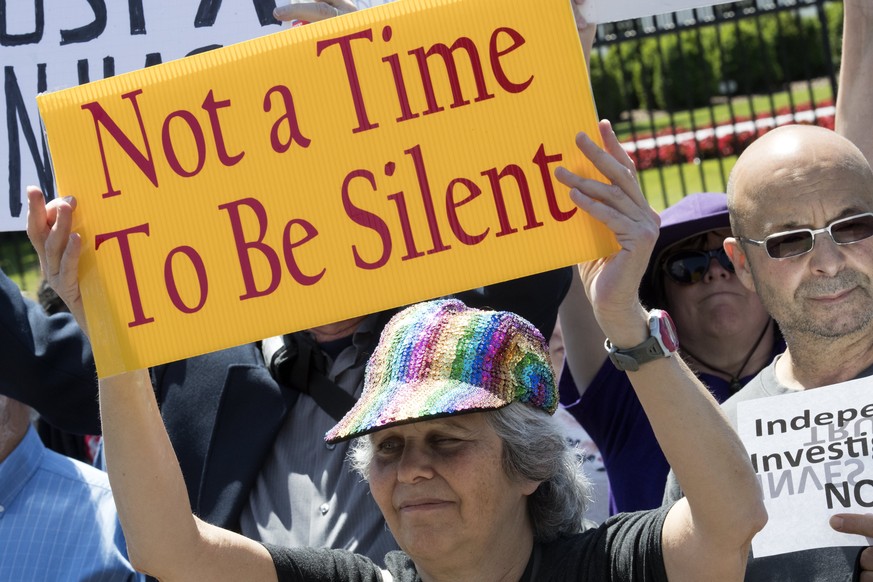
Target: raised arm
707	535
583	338
854	118
164	539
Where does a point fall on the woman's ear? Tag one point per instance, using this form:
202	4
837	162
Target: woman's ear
528	487
738	257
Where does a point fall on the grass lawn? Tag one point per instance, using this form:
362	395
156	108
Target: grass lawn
742	107
667	190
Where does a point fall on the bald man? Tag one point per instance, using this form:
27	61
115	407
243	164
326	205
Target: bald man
802	177
801	209
818	289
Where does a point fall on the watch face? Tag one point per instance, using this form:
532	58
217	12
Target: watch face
666	331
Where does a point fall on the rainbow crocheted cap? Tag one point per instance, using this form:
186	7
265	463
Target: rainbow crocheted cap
440	358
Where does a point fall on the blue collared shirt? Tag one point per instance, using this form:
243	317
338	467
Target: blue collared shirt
58	519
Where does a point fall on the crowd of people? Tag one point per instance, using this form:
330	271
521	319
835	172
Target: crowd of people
442	459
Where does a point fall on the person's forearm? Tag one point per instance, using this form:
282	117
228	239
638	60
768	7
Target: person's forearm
146	481
854	116
583	339
704	451
707	456
705	536
164	539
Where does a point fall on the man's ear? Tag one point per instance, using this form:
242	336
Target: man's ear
741	262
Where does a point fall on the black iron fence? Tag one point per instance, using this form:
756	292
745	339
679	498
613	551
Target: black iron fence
686	92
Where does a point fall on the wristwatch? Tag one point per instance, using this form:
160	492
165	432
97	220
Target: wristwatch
662	343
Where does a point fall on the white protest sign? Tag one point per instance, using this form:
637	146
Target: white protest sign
813	454
601	11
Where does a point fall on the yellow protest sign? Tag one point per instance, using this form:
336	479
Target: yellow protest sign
341	168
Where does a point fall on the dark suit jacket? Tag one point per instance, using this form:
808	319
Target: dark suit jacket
46	362
222	410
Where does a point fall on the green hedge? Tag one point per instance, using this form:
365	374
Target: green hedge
611	101
746	59
683	70
684	76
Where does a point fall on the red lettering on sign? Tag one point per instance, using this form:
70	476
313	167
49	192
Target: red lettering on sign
139	317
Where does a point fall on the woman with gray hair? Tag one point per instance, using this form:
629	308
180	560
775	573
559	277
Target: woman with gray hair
457	444
534	448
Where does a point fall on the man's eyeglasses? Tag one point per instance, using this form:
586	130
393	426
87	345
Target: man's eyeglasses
690	266
794	243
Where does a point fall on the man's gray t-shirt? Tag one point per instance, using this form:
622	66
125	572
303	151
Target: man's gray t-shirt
820	564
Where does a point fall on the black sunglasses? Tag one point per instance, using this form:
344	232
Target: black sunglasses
690	266
793	243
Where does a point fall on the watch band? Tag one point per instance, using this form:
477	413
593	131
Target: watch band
656	346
